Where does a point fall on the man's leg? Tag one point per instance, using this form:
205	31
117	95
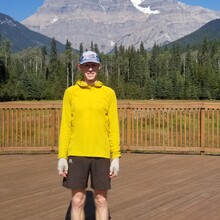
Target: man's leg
78	202
101	205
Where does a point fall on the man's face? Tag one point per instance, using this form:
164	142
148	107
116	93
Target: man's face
90	72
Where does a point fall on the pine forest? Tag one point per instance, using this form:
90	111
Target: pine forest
171	73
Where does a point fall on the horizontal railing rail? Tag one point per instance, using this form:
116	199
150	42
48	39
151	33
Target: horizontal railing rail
153	126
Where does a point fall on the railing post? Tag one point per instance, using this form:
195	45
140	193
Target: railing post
3	128
202	131
128	128
53	128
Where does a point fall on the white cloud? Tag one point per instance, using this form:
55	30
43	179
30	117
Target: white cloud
147	10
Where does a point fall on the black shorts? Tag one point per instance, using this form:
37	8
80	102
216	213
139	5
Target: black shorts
80	168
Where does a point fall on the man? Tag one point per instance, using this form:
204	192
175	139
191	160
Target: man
89	138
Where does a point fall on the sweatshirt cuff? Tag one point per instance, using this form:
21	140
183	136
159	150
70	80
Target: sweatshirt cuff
118	155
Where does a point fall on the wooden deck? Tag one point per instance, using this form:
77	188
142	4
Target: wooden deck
149	187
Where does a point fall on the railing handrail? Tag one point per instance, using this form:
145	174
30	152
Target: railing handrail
122	104
28	105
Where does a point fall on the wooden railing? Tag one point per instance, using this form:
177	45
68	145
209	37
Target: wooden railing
153	126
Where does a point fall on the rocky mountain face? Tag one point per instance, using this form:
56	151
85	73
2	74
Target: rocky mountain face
121	22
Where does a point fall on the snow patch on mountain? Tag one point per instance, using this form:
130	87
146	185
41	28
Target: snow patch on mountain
54	20
8	21
147	10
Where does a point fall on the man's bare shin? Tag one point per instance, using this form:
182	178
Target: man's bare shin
101	205
78	202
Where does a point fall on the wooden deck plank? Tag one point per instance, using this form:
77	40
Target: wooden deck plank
150	186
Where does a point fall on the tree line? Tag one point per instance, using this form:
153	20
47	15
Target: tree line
176	72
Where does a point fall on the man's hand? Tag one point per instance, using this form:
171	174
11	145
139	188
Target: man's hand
62	167
114	168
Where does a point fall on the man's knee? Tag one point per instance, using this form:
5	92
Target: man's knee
101	201
78	200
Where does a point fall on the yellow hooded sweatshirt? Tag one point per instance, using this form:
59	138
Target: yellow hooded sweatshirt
89	124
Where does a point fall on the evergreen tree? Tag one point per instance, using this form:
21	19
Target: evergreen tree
81	49
44	61
68	57
96	48
55	79
142	50
204	70
153	64
53	57
175	73
91	46
190	76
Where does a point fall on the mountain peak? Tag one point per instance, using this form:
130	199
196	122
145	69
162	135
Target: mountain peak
121	22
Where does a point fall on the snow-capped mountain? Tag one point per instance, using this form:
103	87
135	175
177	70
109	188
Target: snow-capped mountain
121	22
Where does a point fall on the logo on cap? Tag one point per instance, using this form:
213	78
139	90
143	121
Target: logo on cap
89	56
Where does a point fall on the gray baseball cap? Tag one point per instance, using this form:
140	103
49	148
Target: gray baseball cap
89	56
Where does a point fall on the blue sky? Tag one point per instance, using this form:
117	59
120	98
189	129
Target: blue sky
211	4
21	9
